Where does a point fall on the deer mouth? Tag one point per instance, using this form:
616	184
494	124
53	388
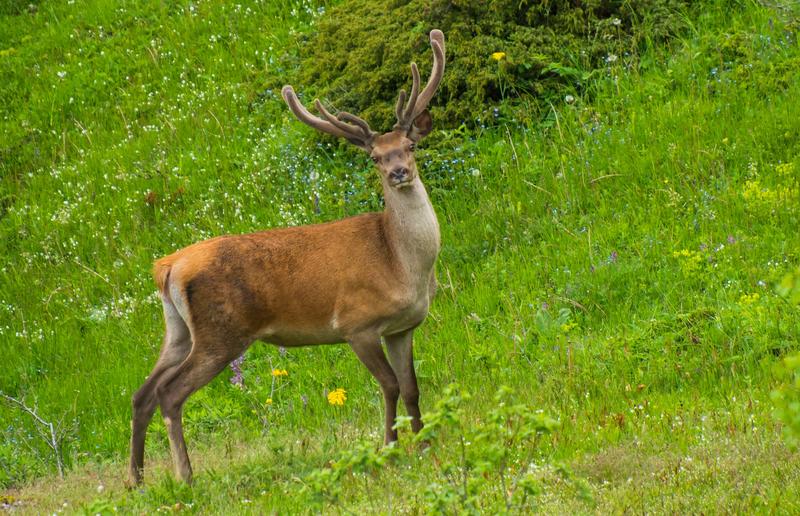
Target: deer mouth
402	183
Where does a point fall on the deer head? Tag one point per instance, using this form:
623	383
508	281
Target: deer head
392	152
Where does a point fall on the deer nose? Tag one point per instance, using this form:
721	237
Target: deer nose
399	174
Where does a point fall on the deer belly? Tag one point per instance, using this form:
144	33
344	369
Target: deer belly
292	337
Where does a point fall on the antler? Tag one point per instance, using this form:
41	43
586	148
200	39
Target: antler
418	102
357	131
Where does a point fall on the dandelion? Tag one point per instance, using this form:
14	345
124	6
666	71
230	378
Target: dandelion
498	56
268	402
337	397
280	372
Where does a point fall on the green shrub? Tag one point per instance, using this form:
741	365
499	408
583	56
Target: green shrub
498	49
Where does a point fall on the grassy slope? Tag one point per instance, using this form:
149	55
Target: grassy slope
634	214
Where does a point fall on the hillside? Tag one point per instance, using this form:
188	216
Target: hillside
610	258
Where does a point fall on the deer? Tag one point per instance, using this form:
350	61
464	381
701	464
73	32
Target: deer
358	280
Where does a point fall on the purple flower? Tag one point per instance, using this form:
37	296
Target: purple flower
236	367
613	257
731	240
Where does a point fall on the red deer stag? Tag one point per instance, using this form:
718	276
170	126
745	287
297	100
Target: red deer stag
354	280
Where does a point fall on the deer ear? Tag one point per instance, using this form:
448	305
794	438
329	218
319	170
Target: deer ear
421	127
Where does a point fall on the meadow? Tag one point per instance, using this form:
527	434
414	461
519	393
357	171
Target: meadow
608	327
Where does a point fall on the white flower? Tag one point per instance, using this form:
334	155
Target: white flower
610	58
569	99
616	22
61	74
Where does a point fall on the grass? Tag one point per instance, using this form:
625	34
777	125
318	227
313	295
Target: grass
613	264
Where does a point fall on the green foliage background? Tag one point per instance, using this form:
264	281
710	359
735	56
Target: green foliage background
612	258
360	52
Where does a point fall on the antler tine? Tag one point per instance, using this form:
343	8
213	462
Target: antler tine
398	108
360	122
437	45
307	118
404	119
331	126
349	129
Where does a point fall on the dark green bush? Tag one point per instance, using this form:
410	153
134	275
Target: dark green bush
359	57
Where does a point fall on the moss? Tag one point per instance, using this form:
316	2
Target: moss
358	58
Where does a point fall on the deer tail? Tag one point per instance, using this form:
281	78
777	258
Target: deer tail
161	270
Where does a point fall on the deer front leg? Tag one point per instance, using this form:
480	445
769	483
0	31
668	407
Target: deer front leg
369	351
401	356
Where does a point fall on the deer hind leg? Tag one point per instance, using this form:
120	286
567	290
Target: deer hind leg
206	360
401	356
369	351
176	347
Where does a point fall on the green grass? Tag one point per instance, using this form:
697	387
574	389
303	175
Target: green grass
614	264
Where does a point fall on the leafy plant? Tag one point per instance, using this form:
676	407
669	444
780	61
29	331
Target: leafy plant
493	463
501	49
363	460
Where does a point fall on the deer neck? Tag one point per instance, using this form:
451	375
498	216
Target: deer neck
412	228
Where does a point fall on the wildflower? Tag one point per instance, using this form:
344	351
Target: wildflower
236	367
690	261
749	299
61	74
616	22
569	99
610	58
280	372
785	169
268	402
498	56
568	327
337	397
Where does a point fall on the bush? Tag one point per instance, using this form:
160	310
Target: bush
497	49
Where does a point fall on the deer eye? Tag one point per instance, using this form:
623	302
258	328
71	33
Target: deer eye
375	159
412	147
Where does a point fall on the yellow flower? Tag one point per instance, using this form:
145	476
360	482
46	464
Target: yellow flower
280	372
749	299
268	402
568	327
498	56
337	397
